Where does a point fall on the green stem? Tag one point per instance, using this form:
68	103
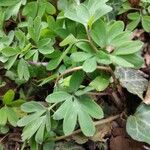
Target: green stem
90	40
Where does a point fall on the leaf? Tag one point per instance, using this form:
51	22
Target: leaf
85	122
91	107
90	65
132	80
39	137
3	116
134	59
8	97
100	83
133	24
32	106
57	97
117	60
30	9
103	58
10	62
29	118
146	23
12	11
76	80
128	48
115	29
70	119
138	125
12	116
53	64
99	27
9	51
8	2
80	56
86	47
134	16
87	13
45	46
70	39
30	129
23	70
61	111
50	9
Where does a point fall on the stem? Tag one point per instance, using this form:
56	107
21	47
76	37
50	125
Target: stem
90	41
97	123
52	106
108	69
98	94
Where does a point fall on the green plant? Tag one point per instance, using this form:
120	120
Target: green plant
8	112
139	14
83	53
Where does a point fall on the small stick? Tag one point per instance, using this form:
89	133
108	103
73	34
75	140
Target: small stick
97	123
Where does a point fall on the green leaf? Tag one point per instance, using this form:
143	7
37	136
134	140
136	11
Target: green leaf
53	64
45	46
76	80
17	103
30	129
12	11
134	16
85	122
23	71
9	51
133	24
29	118
87	13
39	137
146	23
128	48
100	83
80	56
8	97
103	58
8	2
90	65
57	97
132	80
134	59
120	61
70	39
30	9
138	125
10	62
3	116
50	9
61	111
86	47
97	28
91	107
12	116
70	119
32	106
115	29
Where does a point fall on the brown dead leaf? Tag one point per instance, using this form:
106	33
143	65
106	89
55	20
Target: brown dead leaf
101	132
147	97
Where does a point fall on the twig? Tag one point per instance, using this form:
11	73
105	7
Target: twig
98	94
108	69
97	123
117	100
3	138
